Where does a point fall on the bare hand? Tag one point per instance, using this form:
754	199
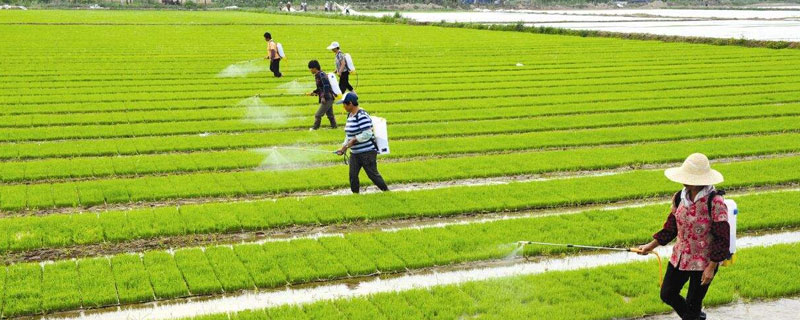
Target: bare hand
647	248
341	151
708	274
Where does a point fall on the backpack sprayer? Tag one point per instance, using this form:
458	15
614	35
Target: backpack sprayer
636	250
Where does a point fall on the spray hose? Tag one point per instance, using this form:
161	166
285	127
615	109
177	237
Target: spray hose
345	157
635	250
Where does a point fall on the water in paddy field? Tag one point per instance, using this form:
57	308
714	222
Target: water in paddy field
243	68
774	25
256	111
760	310
295	296
297	87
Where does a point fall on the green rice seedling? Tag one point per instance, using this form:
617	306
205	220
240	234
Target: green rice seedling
86	228
116	227
383	258
229	270
60	291
90	195
326	266
419	171
198	273
264	271
206	219
23	293
395	307
429	241
132	281
12	198
164	275
287	312
97	282
411	255
3	273
359	309
113	192
23	235
350	257
145	221
325	310
39	196
617	291
252	218
64	195
223	316
250	315
168	219
296	267
58	231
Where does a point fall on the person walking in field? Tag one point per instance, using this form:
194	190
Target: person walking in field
703	236
325	94
342	70
359	138
273	55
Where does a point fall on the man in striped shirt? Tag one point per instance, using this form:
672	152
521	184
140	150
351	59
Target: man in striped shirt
359	139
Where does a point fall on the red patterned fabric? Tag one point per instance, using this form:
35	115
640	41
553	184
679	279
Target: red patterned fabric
702	237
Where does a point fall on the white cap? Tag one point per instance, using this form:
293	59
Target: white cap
333	45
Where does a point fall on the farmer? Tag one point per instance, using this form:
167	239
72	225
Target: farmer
359	139
703	236
325	94
273	56
342	71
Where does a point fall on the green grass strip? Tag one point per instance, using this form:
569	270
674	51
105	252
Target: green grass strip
266	119
148	145
609	292
124	190
60	230
225	269
98	167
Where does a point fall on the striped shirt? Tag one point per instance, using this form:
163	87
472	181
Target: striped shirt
339	60
357	124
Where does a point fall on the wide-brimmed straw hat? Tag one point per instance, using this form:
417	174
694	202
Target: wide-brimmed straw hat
695	171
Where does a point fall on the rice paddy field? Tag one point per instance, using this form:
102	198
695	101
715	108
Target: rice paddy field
151	159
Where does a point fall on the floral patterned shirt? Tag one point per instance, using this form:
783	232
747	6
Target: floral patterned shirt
702	237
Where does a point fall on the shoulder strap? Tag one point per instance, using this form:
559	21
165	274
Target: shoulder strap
676	199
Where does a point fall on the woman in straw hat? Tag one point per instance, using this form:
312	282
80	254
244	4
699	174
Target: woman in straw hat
703	236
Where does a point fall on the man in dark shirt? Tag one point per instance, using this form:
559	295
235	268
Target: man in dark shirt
325	94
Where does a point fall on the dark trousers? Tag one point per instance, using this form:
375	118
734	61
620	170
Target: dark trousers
690	307
344	82
326	109
275	67
368	161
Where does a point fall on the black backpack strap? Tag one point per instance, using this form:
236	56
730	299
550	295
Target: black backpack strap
676	199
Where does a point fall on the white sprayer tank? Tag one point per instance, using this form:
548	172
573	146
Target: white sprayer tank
381	134
334	84
733	212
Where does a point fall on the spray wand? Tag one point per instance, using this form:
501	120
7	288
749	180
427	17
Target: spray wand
636	250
